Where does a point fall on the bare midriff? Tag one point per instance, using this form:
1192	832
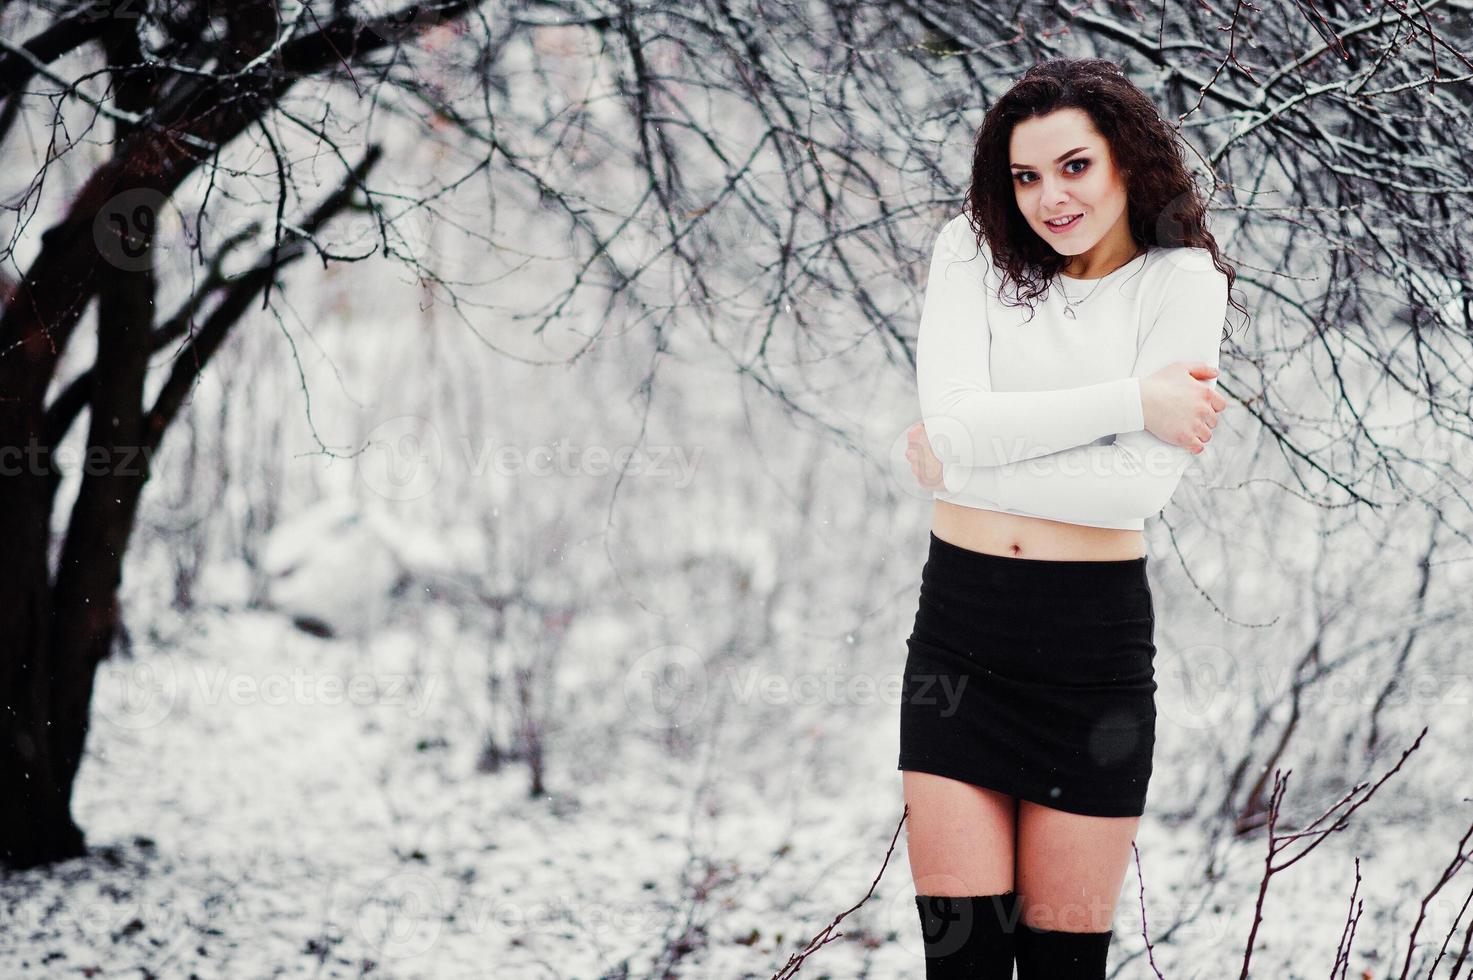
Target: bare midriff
1015	536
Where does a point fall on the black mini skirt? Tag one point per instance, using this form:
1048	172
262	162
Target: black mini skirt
1034	678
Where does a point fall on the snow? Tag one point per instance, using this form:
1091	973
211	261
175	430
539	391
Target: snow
300	786
710	669
266	802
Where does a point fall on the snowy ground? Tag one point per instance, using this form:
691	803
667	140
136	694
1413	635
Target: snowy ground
263	802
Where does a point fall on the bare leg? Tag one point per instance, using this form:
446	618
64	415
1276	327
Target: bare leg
1071	867
960	837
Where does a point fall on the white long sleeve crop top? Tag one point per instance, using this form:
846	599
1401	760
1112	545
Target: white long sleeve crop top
1042	416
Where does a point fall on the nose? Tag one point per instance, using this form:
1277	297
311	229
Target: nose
1054	196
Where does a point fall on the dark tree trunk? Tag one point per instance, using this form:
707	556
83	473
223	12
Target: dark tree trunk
57	625
35	768
56	629
69	620
35	796
53	647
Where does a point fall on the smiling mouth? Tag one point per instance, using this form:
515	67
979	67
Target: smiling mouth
1064	224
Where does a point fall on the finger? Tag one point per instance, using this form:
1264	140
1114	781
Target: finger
1201	369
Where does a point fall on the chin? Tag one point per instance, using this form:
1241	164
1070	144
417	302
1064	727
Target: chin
1074	248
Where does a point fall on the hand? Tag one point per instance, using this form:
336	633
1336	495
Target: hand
923	461
1180	405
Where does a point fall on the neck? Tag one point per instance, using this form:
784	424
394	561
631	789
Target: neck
1088	266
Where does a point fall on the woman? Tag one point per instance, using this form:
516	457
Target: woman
1065	362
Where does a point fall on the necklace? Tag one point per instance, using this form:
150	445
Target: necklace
1070	304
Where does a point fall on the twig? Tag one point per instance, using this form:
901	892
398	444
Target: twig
1277	842
828	935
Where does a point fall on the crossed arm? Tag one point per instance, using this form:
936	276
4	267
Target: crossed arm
1039	464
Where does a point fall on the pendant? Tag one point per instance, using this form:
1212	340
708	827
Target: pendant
1069	312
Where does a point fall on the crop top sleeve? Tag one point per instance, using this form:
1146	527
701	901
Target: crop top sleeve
1122	483
969	423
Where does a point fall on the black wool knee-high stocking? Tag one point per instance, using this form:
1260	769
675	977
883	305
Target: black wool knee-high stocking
968	937
1047	955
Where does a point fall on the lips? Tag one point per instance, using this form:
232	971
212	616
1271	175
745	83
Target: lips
1065	226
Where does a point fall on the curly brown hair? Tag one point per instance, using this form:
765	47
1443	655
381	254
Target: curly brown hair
1165	207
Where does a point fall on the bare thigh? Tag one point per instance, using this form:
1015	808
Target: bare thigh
1071	867
960	837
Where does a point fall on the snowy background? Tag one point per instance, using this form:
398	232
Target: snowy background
346	676
456	648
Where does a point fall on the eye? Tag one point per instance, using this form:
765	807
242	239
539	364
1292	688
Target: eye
1083	161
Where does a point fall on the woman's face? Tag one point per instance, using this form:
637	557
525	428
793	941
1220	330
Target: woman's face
1062	166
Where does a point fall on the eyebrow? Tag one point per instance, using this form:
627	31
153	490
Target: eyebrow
1059	159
